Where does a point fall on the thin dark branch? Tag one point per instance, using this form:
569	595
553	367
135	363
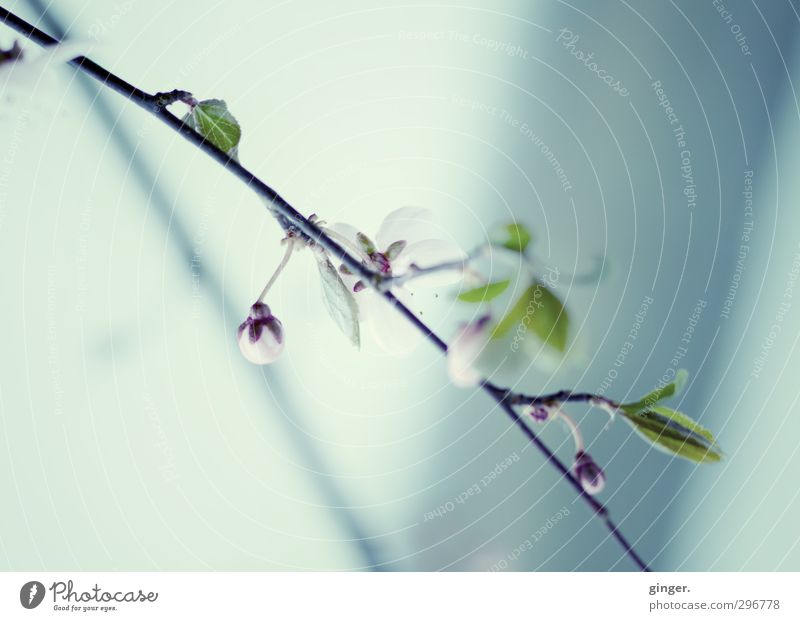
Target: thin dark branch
599	509
563	396
293	221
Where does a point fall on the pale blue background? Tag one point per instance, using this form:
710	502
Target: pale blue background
134	436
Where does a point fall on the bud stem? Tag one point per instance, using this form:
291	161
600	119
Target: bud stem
286	256
573	427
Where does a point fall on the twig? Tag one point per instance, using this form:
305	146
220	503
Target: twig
294	222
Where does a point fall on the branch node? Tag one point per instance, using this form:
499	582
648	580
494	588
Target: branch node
163	99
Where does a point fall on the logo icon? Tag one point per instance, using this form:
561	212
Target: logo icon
31	594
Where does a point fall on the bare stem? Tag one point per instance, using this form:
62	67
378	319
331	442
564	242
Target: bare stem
573	428
458	265
170	97
563	396
342	240
284	262
293	222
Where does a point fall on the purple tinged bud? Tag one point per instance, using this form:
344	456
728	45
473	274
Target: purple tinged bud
590	475
380	262
538	412
359	286
260	336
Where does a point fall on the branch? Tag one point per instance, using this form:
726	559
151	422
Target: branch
295	223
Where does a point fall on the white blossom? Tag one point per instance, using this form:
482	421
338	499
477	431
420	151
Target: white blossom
404	240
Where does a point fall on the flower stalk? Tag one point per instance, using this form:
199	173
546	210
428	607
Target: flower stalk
289	243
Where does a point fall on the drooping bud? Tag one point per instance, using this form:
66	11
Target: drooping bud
261	335
591	476
463	353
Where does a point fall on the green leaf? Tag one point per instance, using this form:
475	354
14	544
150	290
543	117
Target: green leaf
659	394
214	122
539	310
684	421
339	300
395	248
675	433
513	236
485	293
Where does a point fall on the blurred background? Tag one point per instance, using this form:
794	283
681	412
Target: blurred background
133	436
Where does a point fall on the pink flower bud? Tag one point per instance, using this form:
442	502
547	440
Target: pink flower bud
261	335
591	477
463	353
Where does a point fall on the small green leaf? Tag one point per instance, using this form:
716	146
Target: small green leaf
539	310
339	300
485	293
659	394
676	433
684	421
513	236
214	122
367	245
394	249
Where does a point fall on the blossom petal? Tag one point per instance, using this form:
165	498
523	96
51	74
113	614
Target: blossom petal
392	332
365	299
410	224
346	235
